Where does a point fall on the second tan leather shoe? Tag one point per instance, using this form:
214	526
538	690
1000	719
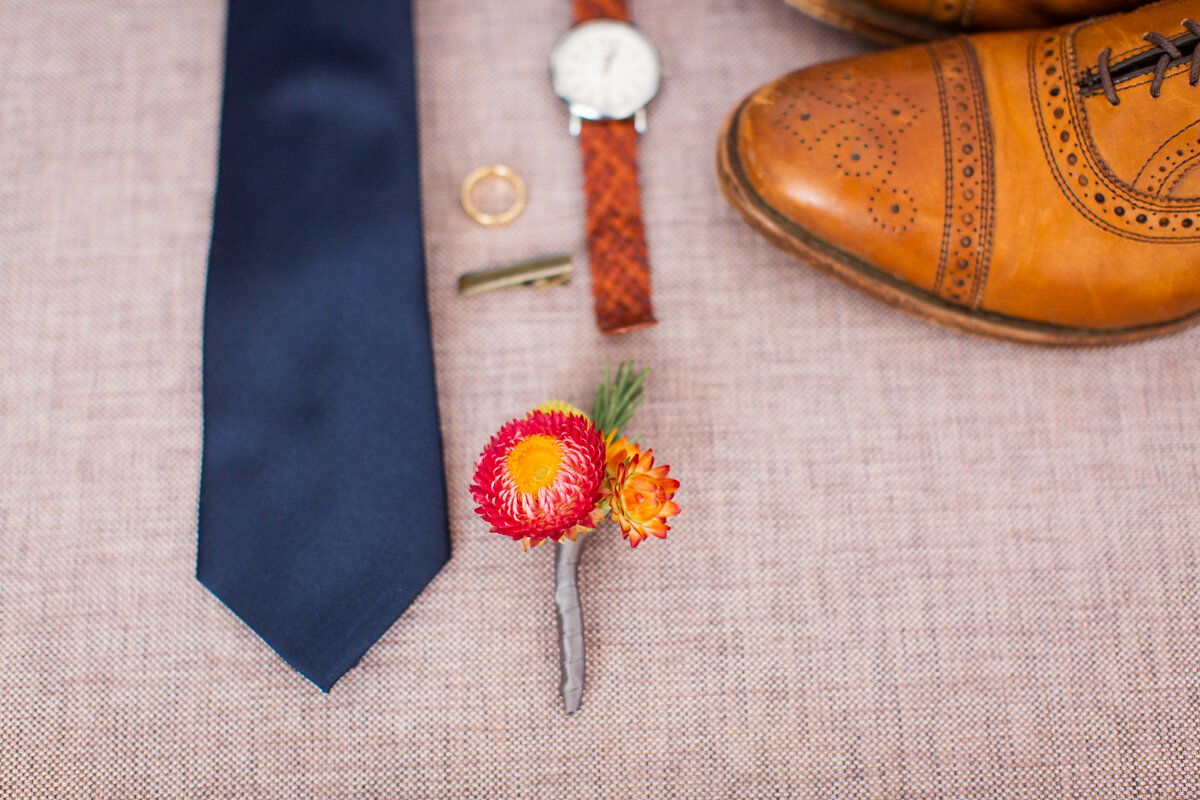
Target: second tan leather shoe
904	21
1035	186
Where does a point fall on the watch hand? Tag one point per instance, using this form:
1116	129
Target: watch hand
608	60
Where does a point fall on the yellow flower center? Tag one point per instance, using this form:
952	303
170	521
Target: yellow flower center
534	462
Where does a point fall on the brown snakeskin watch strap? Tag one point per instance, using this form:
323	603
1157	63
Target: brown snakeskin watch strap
616	235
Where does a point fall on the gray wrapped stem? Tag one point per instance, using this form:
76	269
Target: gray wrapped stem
570	620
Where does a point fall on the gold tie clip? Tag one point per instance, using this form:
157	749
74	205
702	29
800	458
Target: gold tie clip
541	272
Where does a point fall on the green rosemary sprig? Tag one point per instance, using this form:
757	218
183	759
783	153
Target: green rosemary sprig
618	397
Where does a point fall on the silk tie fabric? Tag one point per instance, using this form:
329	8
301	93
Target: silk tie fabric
322	500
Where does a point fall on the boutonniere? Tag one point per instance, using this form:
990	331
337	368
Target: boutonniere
557	473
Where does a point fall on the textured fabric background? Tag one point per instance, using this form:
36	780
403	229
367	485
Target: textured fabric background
910	564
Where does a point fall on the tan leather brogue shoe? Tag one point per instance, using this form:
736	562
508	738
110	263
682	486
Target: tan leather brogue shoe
904	21
1035	186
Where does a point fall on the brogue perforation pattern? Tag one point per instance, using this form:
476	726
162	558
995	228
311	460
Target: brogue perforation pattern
870	117
954	13
1122	209
970	174
1170	162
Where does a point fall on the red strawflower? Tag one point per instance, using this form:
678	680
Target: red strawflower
540	477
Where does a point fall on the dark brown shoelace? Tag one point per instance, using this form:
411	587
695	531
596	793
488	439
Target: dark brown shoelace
1171	54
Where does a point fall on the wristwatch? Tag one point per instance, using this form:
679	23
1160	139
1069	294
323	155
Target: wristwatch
607	71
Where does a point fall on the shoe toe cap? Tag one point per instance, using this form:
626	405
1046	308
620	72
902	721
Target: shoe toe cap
852	153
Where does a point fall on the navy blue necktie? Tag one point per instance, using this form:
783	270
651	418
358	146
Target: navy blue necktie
322	500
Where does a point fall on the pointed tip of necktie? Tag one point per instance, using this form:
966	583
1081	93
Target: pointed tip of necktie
324	659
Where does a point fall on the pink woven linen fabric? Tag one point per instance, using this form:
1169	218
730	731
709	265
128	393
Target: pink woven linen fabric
910	564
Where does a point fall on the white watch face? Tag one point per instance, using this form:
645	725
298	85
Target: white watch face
605	69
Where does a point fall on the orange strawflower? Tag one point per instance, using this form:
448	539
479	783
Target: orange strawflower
614	451
639	493
540	477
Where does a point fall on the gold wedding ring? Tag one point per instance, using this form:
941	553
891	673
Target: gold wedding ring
493	171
